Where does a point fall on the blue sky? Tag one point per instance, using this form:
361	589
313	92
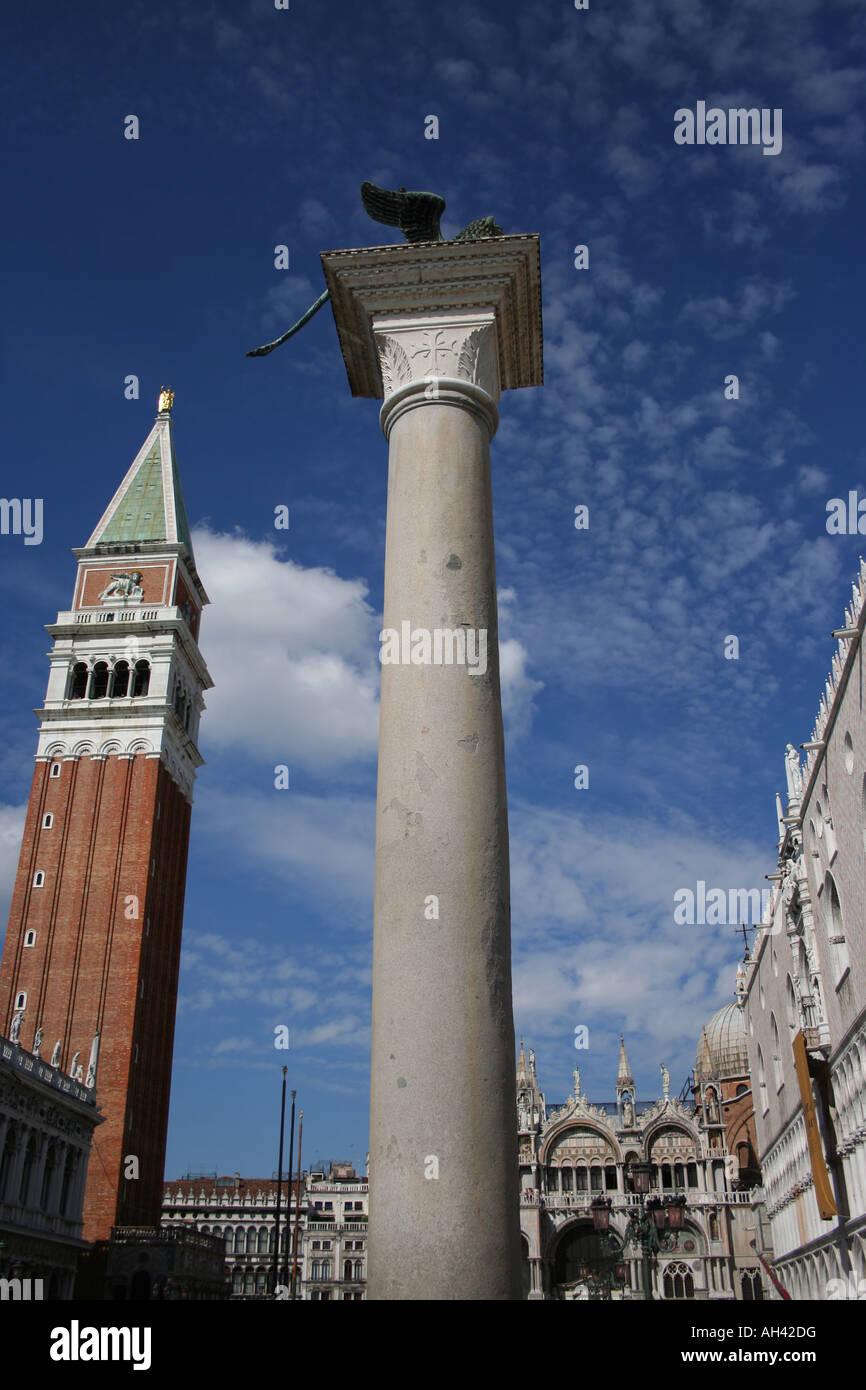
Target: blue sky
707	516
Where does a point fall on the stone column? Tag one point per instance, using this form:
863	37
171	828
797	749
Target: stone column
438	330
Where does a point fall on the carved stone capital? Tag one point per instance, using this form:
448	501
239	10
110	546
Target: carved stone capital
423	348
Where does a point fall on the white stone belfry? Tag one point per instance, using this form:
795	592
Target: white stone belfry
439	329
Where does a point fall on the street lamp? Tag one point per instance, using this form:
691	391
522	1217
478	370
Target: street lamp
600	1209
606	1272
653	1227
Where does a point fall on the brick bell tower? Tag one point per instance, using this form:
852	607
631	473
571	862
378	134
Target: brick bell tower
90	966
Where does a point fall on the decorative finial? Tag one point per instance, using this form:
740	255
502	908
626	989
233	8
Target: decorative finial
166	400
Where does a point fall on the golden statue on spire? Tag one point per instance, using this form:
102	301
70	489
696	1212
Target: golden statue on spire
166	399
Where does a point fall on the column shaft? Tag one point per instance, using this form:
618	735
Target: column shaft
444	1218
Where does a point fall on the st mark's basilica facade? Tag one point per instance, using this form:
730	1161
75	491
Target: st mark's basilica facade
583	1166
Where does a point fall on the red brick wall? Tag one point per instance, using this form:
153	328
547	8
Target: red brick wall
183	594
93	579
115	819
739	1116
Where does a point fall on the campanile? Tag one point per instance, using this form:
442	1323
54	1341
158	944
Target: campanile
90	967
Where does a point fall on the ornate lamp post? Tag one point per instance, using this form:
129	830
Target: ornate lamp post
606	1272
654	1227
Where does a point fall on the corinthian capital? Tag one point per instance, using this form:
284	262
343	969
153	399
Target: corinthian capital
419	348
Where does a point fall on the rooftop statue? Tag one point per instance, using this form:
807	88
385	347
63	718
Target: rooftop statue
417	214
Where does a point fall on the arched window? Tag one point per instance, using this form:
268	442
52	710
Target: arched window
752	1288
30	1156
595	1178
347	1269
777	1053
39	879
610	1177
237	1281
762	1080
263	1241
47	821
581	1180
567	1179
55	770
30	938
834	927
99	681
358	1272
7	1160
230	1241
141	680
21	999
78	681
678	1281
747	1163
628	1178
120	685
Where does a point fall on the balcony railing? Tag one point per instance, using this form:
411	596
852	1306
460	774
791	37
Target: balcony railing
571	1201
166	1235
336	1226
39	1222
130	613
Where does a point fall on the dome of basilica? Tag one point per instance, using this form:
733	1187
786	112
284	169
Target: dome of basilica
722	1047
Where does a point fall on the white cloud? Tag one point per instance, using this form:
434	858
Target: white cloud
518	688
11	831
293	653
812	188
594	937
260	984
723	318
319	846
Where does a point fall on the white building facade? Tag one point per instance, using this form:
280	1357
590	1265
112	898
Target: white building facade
700	1149
329	1258
807	974
47	1122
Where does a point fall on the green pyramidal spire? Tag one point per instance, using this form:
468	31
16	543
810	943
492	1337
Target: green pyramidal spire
148	505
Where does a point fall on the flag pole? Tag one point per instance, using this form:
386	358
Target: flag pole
280	1186
298	1207
288	1233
